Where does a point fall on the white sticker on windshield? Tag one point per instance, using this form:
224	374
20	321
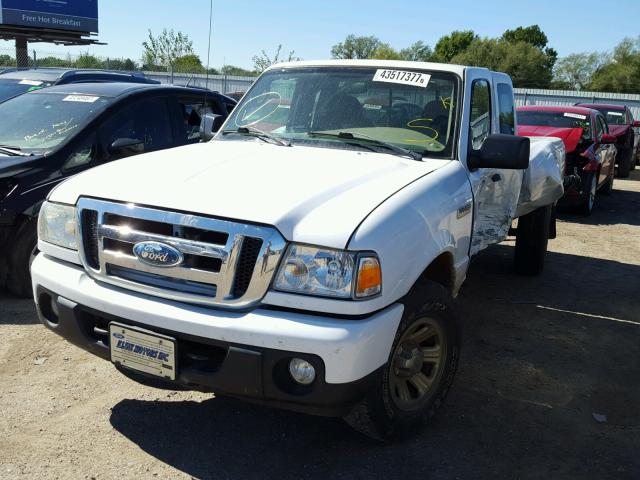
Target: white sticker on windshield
615	114
575	115
33	83
402	77
80	98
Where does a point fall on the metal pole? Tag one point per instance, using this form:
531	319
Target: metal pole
22	52
35	58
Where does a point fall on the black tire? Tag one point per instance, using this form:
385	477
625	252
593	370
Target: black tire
532	238
382	414
24	246
590	188
624	163
607	188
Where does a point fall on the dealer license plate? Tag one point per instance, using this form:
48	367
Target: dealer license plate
142	350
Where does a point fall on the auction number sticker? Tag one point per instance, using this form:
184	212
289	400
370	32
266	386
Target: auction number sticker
402	77
33	83
615	114
575	115
80	98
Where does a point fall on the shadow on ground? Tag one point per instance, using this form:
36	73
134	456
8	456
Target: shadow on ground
522	405
16	311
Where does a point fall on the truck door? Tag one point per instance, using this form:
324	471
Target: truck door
495	191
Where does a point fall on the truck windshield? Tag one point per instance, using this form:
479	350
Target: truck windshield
41	121
555	119
355	107
614	117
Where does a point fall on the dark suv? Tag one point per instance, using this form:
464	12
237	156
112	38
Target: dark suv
48	135
16	81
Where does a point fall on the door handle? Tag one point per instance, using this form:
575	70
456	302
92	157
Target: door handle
496	177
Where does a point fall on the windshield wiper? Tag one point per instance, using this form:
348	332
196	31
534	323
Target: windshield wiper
361	136
258	133
13	151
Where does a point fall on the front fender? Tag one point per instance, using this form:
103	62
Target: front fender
409	230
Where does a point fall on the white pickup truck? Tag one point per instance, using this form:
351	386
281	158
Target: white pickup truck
307	256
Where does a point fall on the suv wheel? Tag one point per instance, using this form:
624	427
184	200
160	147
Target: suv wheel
25	243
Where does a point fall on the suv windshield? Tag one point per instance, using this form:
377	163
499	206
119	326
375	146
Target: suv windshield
556	119
414	110
41	121
12	87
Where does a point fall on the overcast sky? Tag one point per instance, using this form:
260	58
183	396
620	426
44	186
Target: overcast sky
242	29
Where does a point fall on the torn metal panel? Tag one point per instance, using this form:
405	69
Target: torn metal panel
543	180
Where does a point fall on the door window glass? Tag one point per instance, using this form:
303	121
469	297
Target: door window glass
480	125
146	120
505	103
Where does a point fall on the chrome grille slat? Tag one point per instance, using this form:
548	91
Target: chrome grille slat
260	269
185	246
127	261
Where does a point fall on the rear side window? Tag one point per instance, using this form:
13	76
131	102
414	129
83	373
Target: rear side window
506	113
601	127
480	125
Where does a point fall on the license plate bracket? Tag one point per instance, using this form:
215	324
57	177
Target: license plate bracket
143	350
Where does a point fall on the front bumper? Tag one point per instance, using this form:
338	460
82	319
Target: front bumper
235	353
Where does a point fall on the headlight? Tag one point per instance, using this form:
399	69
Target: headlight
57	224
328	273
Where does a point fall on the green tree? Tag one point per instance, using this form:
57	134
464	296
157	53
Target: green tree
575	71
86	60
189	63
7	61
418	52
356	47
386	52
237	71
526	64
453	44
535	37
263	61
165	48
532	35
622	74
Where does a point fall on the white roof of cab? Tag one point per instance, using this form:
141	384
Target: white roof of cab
400	64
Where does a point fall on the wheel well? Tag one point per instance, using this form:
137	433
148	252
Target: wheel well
441	271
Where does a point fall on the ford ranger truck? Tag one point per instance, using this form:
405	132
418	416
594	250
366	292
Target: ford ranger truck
306	257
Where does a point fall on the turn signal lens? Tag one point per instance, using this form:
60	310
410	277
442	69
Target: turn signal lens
369	277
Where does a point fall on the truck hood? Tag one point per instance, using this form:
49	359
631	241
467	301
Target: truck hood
570	136
312	195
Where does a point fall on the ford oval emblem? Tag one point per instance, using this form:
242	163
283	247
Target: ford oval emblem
157	254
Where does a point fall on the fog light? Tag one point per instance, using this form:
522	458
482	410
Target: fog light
302	371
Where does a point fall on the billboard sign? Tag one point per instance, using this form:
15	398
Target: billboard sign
75	15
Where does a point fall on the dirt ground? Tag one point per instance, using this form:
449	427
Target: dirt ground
548	387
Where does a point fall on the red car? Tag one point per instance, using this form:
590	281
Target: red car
621	124
590	157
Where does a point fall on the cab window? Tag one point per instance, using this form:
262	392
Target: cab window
506	113
480	125
192	110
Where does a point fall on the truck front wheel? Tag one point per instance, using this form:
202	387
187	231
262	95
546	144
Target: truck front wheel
532	238
421	367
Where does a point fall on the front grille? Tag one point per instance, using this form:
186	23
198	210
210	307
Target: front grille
224	263
89	220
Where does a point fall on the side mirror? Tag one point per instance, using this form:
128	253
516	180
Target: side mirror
608	138
636	123
209	125
501	151
123	147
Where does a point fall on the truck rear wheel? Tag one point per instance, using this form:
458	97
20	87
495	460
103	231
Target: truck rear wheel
420	370
532	238
25	243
